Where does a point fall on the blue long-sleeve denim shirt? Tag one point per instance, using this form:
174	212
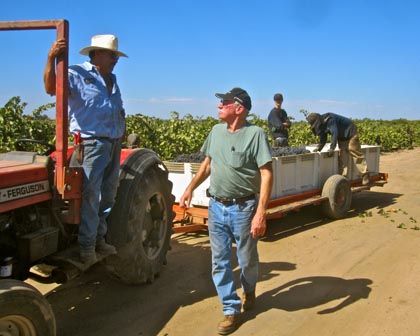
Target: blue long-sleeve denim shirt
92	111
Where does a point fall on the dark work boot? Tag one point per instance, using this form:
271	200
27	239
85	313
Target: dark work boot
248	300
105	249
88	257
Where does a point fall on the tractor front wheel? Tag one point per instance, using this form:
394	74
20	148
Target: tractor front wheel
24	311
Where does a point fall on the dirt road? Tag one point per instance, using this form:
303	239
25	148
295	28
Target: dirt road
357	276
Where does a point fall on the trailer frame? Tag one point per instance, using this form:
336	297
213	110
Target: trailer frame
195	218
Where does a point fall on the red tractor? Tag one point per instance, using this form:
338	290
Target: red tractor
40	197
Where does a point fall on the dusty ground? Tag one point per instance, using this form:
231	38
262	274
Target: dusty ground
357	276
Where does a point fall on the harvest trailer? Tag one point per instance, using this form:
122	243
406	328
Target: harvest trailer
298	180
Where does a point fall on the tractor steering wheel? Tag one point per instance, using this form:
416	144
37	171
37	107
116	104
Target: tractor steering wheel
19	145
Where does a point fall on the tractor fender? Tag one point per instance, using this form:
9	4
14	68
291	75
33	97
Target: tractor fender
139	160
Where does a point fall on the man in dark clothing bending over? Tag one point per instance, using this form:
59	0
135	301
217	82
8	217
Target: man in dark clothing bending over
279	123
344	132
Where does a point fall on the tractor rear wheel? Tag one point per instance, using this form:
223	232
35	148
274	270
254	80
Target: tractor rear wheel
140	225
24	310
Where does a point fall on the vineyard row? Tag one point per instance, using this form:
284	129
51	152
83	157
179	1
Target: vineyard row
170	138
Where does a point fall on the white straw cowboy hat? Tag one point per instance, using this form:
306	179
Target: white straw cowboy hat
103	42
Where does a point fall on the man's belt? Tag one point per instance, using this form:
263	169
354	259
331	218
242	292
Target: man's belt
96	138
78	138
231	201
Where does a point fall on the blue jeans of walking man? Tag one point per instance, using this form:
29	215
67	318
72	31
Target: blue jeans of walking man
228	225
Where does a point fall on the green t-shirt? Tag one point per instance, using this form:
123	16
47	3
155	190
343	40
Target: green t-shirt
235	160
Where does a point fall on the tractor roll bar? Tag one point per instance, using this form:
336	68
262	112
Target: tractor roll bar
62	27
67	180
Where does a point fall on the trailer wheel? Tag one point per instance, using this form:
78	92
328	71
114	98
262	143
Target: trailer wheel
140	225
24	310
337	189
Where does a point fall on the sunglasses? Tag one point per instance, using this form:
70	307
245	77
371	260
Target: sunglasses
227	101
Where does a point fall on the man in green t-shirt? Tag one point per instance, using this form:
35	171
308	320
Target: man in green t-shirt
239	163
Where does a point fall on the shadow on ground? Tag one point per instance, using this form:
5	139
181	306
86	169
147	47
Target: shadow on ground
310	292
107	307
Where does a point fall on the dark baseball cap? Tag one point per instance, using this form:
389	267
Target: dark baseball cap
278	97
313	117
237	94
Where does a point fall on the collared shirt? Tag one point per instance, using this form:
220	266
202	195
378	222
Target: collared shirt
92	110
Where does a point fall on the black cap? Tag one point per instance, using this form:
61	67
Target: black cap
278	97
238	94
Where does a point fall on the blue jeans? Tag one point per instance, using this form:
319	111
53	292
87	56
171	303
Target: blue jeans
228	225
101	165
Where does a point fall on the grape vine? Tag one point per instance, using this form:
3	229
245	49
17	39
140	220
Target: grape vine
171	138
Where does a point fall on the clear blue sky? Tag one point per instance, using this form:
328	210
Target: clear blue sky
357	58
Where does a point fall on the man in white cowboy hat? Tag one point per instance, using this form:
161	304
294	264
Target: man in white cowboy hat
97	122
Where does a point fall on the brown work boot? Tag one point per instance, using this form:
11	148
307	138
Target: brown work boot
229	324
248	300
365	179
